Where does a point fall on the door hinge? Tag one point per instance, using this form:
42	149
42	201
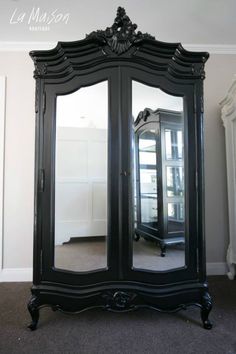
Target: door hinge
41	180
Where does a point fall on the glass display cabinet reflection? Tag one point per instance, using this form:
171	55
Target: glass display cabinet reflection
159	176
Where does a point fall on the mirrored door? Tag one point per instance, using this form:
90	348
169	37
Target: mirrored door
80	201
157	179
81	179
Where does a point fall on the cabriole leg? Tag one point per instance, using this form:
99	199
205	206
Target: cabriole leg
206	308
33	307
163	249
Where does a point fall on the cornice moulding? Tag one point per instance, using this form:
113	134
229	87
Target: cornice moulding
212	48
28	46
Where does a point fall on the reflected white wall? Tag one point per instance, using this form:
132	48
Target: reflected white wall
83	108
154	98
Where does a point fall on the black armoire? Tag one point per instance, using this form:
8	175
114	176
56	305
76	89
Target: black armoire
119	177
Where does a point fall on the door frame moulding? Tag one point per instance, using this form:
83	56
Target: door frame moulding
2	149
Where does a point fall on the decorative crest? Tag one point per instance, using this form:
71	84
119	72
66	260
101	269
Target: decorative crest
119	300
143	115
121	35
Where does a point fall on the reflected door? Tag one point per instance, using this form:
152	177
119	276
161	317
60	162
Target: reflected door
146	180
173	181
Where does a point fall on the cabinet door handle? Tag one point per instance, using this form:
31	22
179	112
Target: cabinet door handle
41	180
125	173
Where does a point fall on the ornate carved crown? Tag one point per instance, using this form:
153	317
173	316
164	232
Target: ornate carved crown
121	35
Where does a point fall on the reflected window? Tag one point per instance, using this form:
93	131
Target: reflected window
175	181
147	176
173	144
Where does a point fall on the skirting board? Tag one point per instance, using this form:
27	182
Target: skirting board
16	274
25	274
218	268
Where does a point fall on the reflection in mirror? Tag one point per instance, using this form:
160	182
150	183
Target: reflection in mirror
158	179
81	179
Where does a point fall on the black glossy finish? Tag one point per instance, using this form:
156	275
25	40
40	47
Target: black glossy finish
33	307
119	55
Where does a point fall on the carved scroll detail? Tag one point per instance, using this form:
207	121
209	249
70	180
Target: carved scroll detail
198	69
40	70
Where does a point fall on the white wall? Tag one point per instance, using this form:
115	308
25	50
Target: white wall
219	74
191	21
19	158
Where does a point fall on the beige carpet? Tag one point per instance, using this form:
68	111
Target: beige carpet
90	255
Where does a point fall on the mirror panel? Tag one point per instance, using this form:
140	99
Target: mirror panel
81	179
157	179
